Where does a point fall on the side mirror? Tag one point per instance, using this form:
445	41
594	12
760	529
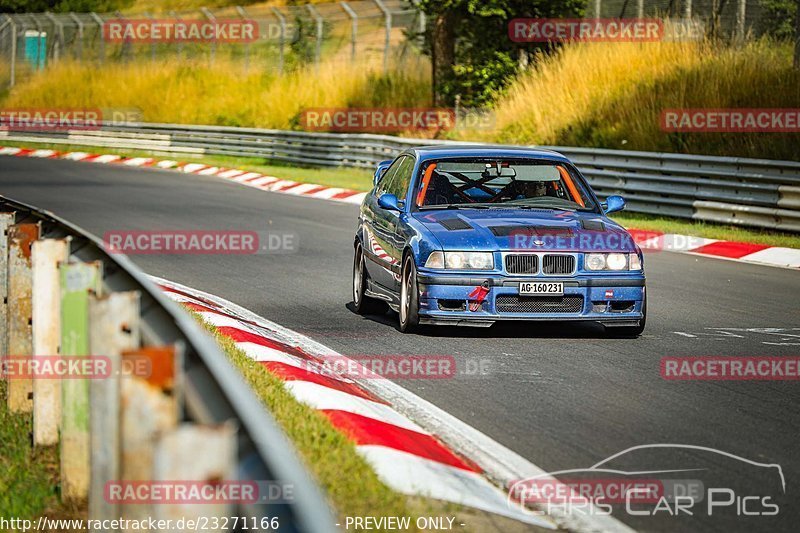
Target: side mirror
613	204
389	202
380	170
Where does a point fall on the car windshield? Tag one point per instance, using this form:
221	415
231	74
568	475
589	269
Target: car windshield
503	183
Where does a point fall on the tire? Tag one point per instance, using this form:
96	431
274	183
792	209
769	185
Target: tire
363	304
409	296
631	331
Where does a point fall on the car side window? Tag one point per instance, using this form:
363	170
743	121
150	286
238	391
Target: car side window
402	178
385	183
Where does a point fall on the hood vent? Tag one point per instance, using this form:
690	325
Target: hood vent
454	224
556	231
593	225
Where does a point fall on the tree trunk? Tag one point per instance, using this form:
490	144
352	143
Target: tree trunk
797	37
443	54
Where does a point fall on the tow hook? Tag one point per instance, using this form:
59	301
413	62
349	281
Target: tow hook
477	296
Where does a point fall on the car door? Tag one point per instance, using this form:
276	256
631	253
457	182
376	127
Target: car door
379	224
396	221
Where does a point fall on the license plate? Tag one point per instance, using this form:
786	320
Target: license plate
539	288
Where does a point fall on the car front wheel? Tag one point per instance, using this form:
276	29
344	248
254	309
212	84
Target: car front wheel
409	296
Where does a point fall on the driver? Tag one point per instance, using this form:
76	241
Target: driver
531	189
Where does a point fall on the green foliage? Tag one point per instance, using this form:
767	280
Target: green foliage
484	58
62	6
777	18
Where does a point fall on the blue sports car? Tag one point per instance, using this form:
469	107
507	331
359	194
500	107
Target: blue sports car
469	235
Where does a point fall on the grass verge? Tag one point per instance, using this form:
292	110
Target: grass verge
29	477
361	180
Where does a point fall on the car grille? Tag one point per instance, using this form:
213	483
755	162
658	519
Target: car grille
538	304
558	264
522	264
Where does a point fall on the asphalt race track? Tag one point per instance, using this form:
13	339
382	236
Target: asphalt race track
562	396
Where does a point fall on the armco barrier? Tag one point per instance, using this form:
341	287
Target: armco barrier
185	417
677	185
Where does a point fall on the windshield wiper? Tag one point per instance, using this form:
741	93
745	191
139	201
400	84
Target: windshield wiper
455	206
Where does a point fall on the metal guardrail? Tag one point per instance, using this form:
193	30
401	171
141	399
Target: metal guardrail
63	293
749	192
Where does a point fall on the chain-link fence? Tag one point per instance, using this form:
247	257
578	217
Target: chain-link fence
285	37
289	36
725	18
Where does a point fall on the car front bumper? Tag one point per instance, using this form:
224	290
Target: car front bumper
612	300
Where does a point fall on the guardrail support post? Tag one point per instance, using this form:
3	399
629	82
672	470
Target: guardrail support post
6	221
113	328
46	254
213	459
78	280
20	237
149	409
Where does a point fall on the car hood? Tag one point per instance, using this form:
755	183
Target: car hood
499	229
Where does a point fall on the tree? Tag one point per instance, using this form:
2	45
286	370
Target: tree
471	54
61	6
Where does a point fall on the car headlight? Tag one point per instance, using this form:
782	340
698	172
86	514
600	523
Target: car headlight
612	261
461	260
595	261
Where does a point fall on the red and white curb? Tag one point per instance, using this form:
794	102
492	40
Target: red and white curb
758	254
251	179
747	252
406	457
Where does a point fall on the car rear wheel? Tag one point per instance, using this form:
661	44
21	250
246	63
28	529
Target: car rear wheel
409	296
363	304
